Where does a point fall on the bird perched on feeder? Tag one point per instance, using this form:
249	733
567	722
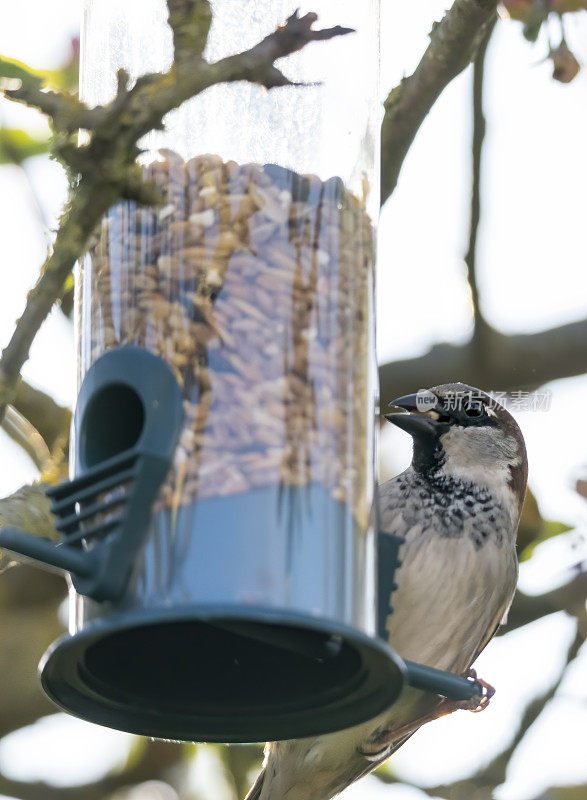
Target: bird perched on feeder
458	507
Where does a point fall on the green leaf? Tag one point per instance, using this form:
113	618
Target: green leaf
550	529
531	522
64	78
66	302
554	528
17	145
13	70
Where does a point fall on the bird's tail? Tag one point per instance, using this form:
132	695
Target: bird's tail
255	790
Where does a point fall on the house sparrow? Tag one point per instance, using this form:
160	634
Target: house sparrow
458	507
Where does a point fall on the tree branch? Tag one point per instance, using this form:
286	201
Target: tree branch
520	361
51	420
106	165
190	22
528	608
76	226
68	113
495	772
454	43
480	325
523	361
27	437
289	38
481	786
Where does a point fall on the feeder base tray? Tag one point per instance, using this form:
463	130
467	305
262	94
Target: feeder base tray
221	674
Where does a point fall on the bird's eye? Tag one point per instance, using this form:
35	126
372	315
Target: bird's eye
473	410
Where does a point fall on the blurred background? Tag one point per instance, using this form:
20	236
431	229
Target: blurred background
529	276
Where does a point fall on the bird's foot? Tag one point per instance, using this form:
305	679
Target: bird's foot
381	742
480	701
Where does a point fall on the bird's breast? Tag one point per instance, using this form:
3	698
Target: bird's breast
449	596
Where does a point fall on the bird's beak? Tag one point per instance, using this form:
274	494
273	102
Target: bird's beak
417	425
409	402
421	424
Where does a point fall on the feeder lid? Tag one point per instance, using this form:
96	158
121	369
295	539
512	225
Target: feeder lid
220	675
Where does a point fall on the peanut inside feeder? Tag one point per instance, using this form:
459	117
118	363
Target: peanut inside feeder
254	284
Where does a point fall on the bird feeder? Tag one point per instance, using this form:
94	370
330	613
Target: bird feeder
218	527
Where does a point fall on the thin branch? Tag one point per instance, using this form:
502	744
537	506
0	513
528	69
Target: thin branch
480	325
494	773
27	437
190	22
51	420
482	784
106	166
454	43
68	113
528	608
288	38
76	227
520	361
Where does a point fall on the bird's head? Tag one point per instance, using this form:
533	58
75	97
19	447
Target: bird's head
462	432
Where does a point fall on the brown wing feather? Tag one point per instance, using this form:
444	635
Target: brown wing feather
255	790
493	629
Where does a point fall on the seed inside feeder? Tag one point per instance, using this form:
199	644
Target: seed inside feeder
254	283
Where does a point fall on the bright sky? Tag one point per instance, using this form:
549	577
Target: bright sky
532	268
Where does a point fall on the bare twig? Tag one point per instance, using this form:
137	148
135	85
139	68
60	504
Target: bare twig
66	110
27	437
190	22
106	166
509	362
76	226
289	38
495	772
454	43
481	785
480	325
51	420
570	597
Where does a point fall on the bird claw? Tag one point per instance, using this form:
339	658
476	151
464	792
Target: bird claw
382	741
478	702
